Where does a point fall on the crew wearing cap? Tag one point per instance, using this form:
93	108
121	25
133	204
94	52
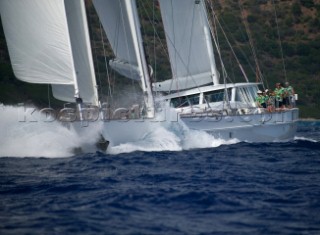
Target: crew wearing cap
260	100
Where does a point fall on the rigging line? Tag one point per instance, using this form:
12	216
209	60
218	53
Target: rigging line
144	31
49	100
234	54
127	44
280	44
180	57
239	49
253	51
191	33
96	53
169	40
97	65
99	76
163	47
156	35
174	43
214	34
105	61
228	42
224	71
111	74
214	28
189	54
216	42
154	42
95	49
154	29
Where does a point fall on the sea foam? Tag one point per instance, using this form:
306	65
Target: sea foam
27	132
172	138
34	135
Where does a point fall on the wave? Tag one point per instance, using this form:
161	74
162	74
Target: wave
26	132
305	139
31	135
166	139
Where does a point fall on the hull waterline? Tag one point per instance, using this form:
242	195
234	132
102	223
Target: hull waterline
267	127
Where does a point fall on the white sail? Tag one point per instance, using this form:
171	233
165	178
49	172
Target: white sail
115	21
48	44
82	56
189	44
37	37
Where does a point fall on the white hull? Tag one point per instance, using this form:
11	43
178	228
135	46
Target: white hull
264	127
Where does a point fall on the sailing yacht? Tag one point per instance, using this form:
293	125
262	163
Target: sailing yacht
49	42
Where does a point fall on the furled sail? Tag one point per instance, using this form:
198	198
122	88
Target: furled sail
189	44
42	50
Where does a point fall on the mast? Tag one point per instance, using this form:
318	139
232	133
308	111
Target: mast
141	59
77	97
81	57
206	29
89	54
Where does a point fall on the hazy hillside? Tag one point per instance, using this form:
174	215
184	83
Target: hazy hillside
298	25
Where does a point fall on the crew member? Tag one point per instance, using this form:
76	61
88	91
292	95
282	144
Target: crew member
291	101
279	93
260	100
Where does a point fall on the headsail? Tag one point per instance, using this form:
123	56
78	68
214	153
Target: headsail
41	50
189	44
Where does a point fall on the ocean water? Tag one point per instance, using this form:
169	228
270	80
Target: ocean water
210	187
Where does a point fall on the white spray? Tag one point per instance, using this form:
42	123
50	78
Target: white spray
26	132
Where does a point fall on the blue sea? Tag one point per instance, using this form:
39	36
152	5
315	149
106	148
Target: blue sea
231	188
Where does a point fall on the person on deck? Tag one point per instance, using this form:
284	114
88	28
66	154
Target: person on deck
291	102
271	100
260	100
279	93
266	97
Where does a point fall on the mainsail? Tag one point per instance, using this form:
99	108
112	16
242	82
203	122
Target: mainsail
189	44
48	43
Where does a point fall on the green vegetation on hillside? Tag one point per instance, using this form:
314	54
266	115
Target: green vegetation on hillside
297	22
